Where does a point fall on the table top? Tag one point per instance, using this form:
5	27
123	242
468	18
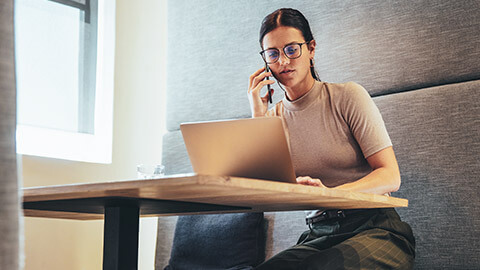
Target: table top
192	194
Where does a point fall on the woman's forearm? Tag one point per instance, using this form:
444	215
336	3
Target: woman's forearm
379	181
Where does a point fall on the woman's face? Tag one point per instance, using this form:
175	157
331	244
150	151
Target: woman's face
294	74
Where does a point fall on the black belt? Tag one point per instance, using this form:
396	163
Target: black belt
329	214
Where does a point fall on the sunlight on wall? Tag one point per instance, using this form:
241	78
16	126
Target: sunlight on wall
139	103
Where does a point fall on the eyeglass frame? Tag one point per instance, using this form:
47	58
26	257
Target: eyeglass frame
262	53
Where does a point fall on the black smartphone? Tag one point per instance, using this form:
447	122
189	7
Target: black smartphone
267	69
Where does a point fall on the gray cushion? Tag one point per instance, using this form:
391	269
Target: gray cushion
174	152
227	241
435	133
166	227
387	46
284	230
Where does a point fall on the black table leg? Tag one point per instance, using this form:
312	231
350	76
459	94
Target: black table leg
120	243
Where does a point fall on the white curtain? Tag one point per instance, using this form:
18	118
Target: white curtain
9	195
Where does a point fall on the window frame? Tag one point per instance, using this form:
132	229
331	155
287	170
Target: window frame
77	146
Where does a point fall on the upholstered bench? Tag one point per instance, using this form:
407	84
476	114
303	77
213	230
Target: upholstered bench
420	62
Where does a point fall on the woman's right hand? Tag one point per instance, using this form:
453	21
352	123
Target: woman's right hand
307	180
259	105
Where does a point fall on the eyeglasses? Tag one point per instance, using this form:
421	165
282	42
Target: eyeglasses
291	51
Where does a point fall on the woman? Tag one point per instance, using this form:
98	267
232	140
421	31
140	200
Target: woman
337	140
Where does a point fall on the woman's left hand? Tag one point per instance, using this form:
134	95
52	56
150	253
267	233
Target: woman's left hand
307	180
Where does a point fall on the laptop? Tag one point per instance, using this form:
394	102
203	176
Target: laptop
253	148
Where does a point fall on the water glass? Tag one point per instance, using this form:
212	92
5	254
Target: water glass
145	171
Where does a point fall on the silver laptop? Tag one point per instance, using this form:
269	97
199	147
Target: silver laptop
253	148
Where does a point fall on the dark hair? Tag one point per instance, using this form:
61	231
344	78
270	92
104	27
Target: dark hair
288	17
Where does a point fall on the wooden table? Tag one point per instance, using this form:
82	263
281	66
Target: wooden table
121	203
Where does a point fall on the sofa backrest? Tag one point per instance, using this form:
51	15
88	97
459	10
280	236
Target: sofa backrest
418	59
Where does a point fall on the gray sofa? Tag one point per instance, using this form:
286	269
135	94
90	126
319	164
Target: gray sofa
419	60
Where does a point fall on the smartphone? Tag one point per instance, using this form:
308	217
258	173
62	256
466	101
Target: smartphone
267	69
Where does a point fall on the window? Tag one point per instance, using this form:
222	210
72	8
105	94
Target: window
64	68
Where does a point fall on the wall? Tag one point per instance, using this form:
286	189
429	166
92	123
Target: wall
138	127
